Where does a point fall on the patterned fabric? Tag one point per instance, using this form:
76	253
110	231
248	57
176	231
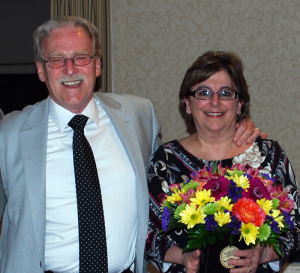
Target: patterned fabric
171	163
92	238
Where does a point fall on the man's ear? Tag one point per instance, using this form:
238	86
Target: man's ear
40	71
98	67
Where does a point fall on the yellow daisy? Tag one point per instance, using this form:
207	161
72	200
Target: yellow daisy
249	232
192	215
222	218
202	197
230	174
266	205
175	197
277	217
241	181
224	203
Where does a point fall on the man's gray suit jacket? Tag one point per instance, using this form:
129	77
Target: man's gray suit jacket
23	149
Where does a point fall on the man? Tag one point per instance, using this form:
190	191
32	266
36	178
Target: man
38	191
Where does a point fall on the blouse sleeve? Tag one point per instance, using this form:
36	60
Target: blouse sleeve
283	172
161	174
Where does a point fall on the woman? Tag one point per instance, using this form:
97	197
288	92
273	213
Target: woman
215	97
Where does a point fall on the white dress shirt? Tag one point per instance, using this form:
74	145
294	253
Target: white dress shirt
118	187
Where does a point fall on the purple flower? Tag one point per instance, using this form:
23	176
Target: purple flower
257	190
211	223
234	192
267	177
218	187
275	227
288	219
235	225
165	218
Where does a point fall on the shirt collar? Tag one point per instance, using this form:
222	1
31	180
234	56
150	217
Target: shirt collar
62	116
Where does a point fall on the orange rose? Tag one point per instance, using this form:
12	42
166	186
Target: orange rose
248	211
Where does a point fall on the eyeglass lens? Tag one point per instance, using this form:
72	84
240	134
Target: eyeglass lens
206	94
80	60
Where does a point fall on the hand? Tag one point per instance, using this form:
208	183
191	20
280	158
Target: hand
251	259
247	133
191	261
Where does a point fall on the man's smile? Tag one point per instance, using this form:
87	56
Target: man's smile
72	83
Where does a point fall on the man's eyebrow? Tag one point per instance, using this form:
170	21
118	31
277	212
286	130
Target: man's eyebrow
73	54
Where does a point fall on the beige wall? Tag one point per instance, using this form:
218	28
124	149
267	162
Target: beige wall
155	41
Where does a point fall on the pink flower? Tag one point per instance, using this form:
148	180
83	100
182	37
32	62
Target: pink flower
186	197
285	204
266	182
204	175
161	197
245	168
256	190
275	190
218	187
174	187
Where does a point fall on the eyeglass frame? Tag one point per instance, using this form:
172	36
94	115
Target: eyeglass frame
192	93
65	60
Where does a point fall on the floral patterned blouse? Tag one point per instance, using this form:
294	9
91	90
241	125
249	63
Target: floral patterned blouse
171	163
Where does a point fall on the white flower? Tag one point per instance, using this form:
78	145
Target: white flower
252	156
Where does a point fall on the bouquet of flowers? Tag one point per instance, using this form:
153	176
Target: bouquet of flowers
219	203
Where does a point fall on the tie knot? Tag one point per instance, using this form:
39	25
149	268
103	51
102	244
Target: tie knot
78	122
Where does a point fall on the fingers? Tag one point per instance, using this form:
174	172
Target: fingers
246	132
191	261
249	263
196	254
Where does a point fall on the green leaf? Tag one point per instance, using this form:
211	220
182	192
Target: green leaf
277	250
215	167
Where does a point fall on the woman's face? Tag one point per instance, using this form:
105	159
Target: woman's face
214	115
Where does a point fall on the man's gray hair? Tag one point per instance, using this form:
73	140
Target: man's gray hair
43	31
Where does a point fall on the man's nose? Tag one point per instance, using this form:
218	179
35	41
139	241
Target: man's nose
70	67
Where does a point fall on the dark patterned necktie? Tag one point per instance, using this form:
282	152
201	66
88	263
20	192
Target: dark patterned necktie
92	239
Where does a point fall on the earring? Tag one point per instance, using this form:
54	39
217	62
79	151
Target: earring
187	112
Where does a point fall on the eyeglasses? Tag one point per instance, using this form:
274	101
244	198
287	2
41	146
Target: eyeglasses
79	60
206	94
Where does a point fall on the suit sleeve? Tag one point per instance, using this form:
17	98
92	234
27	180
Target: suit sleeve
2	197
156	141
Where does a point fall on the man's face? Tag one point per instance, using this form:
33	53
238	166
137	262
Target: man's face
70	86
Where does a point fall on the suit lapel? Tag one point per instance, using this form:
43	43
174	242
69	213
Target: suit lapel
125	128
34	148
